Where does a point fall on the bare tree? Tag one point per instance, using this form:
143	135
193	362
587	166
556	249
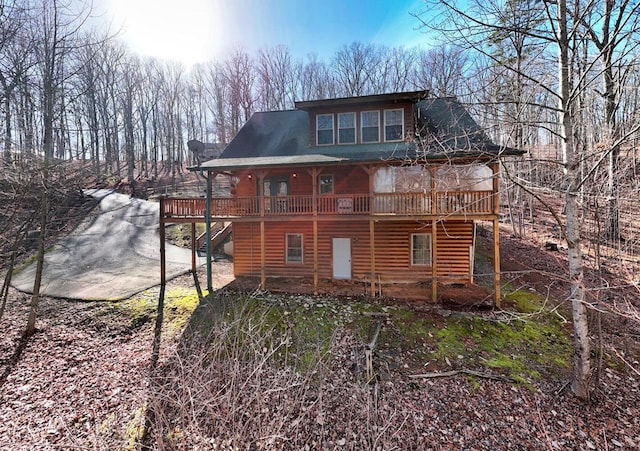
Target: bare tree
558	31
317	81
277	78
216	90
442	70
619	23
353	65
16	57
130	86
55	28
239	75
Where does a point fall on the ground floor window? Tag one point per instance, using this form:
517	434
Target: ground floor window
421	249
294	247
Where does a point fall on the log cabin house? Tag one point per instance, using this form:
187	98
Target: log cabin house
379	189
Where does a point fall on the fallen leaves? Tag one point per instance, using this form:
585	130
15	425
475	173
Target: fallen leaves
81	383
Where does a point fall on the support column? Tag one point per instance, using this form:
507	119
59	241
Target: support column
495	167
263	273
372	251
434	259
371	171
208	232
314	177
496	261
260	190
163	266
193	247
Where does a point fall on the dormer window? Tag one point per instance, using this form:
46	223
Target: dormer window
393	125
370	123
346	128
324	129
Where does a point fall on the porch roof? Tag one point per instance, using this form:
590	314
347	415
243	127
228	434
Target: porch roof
224	164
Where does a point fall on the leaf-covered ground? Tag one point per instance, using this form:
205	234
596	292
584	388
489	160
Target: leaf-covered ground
82	383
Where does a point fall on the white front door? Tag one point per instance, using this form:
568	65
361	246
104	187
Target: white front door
342	258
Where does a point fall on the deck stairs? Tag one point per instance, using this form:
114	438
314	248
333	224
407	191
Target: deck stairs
219	233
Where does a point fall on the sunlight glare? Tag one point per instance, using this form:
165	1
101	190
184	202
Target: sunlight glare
180	31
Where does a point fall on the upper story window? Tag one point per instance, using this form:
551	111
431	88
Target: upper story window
346	128
325	185
370	123
324	129
393	125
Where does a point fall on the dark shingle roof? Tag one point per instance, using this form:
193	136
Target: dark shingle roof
444	127
270	134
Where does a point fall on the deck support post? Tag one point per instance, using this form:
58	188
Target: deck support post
260	191
263	271
193	247
207	222
372	251
496	261
434	258
371	172
314	184
163	266
495	167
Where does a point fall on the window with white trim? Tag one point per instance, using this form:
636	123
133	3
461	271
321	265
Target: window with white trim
370	126
393	125
324	129
346	128
294	247
421	249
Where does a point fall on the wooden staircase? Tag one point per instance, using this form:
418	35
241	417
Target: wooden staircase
219	233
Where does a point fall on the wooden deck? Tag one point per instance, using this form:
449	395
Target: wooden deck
451	204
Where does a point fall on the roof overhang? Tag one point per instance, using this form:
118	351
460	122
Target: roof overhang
232	164
412	96
228	164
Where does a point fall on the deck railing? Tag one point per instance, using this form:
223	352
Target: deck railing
404	204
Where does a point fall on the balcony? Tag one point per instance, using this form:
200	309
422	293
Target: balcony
438	204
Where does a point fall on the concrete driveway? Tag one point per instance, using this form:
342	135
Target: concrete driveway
111	256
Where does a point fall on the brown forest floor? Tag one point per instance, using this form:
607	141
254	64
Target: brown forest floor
82	379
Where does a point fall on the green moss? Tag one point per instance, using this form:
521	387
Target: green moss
519	348
179	304
136	429
297	331
524	301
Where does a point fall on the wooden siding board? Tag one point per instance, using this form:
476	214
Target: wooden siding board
392	249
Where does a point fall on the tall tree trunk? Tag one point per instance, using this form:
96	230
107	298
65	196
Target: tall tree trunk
581	358
7	121
129	138
35	297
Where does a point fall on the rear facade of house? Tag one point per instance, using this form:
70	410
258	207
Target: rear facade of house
378	189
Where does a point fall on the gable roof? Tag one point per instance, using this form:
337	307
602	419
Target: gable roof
444	130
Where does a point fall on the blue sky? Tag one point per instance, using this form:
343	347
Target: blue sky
198	30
